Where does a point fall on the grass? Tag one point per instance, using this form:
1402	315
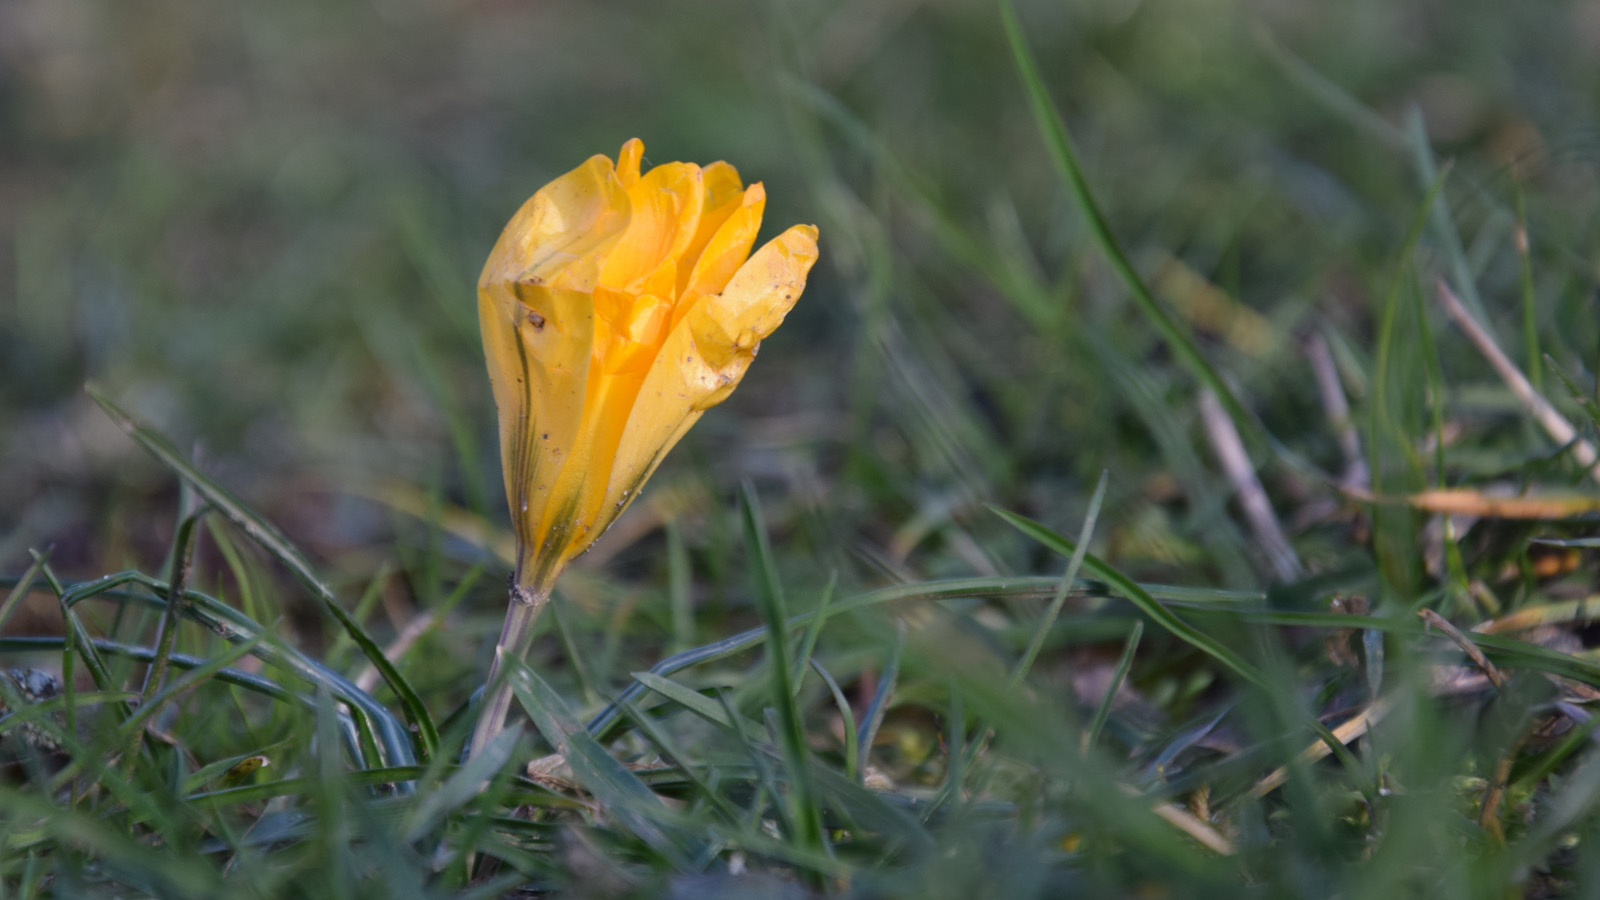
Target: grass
959	595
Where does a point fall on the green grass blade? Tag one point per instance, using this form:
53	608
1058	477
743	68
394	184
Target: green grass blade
1326	91
1393	538
1030	298
695	702
328	792
873	811
182	562
803	809
678	580
1444	227
338	652
302	785
1506	652
463	786
1566	542
151	705
1139	598
83	645
760	761
1530	319
957	753
246	680
1436	406
1066	161
808	645
217	769
39	713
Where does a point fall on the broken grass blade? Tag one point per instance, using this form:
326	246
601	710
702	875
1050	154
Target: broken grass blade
1067	580
1118	677
23	586
847	717
872	719
1588	406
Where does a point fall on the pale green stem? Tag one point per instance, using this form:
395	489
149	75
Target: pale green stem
515	637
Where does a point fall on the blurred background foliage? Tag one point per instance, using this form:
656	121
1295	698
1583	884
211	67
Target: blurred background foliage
259	226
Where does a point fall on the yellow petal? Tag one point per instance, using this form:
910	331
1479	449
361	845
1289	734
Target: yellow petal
724	193
728	248
562	230
722	185
705	356
665	207
756	299
583	485
628	160
628	327
538	345
535	311
663	409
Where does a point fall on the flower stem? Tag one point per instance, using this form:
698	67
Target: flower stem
515	637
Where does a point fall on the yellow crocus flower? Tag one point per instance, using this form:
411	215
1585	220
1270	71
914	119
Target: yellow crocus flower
617	306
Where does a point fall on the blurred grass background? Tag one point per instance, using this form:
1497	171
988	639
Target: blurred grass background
259	226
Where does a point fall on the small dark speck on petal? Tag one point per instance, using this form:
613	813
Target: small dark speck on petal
535	319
